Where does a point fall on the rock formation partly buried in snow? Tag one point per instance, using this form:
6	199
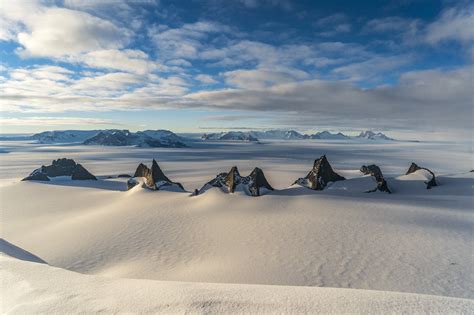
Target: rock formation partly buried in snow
153	178
61	167
254	184
374	170
430	176
320	175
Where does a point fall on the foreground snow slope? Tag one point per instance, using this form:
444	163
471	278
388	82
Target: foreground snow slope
39	288
418	243
415	240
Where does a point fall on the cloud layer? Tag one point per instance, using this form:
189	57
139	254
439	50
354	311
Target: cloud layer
81	56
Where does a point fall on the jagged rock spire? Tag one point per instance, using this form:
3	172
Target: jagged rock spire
154	178
375	171
414	167
320	175
257	182
232	179
252	185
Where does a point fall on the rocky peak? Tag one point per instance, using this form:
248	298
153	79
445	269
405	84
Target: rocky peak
320	175
155	179
61	167
253	184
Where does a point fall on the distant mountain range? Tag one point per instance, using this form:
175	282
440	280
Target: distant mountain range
147	138
255	136
109	137
168	139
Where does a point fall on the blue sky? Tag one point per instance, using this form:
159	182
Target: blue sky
193	66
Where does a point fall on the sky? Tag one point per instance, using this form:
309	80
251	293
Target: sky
398	66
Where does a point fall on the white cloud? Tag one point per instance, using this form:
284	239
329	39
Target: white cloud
54	121
130	60
185	41
204	78
422	100
453	24
262	77
60	32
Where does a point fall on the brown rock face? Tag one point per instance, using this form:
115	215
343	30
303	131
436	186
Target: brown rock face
375	171
431	183
320	175
232	179
257	182
155	178
80	173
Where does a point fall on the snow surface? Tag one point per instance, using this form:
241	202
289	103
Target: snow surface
39	288
412	241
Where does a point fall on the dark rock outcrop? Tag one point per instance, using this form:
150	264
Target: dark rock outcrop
61	167
430	183
155	179
257	182
37	175
252	184
374	170
321	174
80	173
124	176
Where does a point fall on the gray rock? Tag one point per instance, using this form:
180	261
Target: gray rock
155	179
80	173
61	167
320	175
228	182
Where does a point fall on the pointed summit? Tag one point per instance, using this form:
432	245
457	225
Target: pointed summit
232	179
258	182
254	185
321	174
154	178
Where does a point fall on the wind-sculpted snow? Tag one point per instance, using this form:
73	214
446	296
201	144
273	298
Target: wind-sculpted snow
415	240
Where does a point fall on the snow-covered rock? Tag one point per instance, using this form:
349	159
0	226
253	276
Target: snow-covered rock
370	135
326	135
278	134
230	136
64	136
149	138
320	175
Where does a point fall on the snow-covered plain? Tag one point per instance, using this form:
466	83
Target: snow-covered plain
412	241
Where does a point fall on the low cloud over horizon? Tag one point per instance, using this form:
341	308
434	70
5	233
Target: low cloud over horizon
404	66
